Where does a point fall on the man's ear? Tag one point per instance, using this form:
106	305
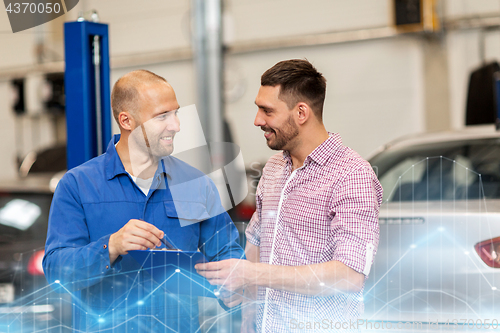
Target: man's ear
304	112
126	121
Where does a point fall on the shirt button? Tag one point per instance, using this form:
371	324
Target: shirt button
107	267
104	246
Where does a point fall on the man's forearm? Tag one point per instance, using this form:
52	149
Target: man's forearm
252	253
323	279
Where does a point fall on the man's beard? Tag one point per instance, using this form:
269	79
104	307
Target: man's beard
151	143
283	135
154	145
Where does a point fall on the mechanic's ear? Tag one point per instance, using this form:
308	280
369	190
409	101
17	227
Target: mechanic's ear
126	121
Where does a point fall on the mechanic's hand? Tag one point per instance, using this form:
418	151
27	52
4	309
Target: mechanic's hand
135	235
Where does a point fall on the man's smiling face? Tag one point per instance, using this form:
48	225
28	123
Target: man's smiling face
275	119
157	119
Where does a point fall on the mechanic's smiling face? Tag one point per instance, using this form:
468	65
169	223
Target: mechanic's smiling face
157	121
275	119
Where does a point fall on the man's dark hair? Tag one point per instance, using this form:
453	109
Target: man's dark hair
299	81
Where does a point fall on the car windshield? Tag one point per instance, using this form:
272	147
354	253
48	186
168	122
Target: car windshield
457	170
23	216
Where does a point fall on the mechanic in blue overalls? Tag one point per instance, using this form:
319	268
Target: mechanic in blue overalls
121	201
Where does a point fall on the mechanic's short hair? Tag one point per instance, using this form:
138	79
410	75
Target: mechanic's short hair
125	95
299	81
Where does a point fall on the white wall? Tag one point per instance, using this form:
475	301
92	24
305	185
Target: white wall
457	8
145	26
258	19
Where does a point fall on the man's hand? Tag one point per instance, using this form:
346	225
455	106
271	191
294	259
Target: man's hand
135	235
231	274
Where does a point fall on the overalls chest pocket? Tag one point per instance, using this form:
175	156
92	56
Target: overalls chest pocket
185	217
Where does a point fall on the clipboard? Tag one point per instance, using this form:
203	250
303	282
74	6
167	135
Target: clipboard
174	271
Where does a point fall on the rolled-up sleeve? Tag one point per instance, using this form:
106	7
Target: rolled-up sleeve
355	228
70	258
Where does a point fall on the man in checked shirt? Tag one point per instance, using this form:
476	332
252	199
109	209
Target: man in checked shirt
313	237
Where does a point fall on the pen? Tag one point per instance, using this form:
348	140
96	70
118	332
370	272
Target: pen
166	243
164	240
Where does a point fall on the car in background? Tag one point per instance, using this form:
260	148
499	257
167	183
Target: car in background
27	303
438	259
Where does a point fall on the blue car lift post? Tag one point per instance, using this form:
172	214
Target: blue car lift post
87	88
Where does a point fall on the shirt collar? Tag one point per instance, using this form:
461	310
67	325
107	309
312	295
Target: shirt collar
166	166
320	154
114	165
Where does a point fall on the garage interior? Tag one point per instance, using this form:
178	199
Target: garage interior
394	68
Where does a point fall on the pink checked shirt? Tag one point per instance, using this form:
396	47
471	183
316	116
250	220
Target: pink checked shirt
326	210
